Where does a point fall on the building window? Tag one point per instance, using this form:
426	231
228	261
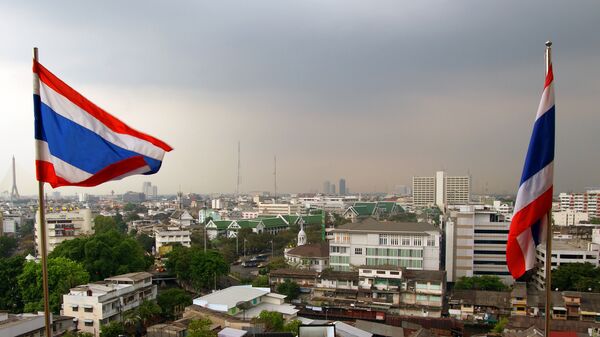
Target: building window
405	241
88	309
88	323
357	251
383	239
418	241
430	242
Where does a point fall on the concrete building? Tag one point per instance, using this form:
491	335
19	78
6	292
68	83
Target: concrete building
33	325
475	243
586	202
371	243
326	187
441	190
164	236
232	300
278	209
563	251
309	256
62	226
96	304
569	217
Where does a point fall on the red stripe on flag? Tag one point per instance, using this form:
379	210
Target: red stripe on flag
45	172
549	77
515	260
110	121
531	213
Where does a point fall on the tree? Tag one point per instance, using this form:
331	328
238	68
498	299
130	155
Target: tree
292	326
195	267
577	277
200	328
10	293
172	301
272	320
136	320
26	227
289	288
103	224
63	274
112	329
105	254
261	281
499	327
145	241
78	334
485	282
7	246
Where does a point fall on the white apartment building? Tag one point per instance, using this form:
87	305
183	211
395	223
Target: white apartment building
581	202
476	243
372	243
164	236
62	226
278	209
569	217
563	252
441	190
96	304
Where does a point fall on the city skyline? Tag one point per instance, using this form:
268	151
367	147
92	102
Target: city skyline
376	94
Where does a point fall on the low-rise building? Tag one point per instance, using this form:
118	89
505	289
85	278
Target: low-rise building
377	210
246	302
371	243
313	256
479	305
166	236
33	325
96	304
569	217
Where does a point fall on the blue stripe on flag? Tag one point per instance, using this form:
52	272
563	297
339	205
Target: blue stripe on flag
541	146
536	232
79	146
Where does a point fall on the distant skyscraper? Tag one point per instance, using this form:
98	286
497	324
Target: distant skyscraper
332	189
150	191
326	187
342	186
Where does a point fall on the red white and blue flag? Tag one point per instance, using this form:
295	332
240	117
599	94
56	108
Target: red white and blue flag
534	198
79	144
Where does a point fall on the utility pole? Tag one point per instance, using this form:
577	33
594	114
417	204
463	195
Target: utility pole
237	188
275	177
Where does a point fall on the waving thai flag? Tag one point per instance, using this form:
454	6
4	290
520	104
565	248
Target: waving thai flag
79	144
534	198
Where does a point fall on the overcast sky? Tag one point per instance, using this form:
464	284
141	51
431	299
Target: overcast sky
372	91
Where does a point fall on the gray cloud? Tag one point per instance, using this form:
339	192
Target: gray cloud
372	91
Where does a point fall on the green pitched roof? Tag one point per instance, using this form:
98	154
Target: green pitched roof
364	208
313	219
291	219
222	224
387	206
248	223
274	222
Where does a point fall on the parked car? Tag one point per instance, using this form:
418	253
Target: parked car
249	264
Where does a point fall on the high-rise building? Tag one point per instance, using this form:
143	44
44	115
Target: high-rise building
586	202
332	191
476	243
326	187
441	190
150	191
342	186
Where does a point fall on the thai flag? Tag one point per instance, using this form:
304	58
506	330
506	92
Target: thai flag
79	144
534	198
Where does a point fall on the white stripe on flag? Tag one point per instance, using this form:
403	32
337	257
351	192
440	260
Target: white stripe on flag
527	245
64	107
546	102
533	187
62	169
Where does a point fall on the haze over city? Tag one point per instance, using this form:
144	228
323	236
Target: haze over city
372	92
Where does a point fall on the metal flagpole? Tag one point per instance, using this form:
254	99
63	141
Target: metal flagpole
44	253
548	270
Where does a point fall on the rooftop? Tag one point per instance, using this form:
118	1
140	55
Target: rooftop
230	297
311	250
372	225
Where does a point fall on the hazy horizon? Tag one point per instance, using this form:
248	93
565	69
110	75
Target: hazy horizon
371	92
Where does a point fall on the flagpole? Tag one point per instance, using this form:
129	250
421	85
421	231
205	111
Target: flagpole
548	271
43	240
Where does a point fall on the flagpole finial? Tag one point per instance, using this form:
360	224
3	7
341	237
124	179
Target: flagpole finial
548	43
